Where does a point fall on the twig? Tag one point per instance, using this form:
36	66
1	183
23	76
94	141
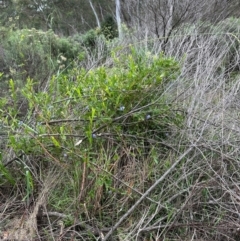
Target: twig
17	158
83	225
55	214
83	182
52	122
59	134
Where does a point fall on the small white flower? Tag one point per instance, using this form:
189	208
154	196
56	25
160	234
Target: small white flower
148	117
121	108
63	58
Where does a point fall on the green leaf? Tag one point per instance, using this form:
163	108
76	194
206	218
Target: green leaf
55	142
4	172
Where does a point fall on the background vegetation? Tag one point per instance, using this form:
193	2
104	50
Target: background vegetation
108	136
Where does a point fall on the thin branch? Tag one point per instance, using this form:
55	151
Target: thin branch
95	14
52	122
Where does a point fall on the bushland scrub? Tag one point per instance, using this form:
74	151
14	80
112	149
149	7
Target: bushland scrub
118	140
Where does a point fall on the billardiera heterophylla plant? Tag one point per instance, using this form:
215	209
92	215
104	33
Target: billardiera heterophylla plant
88	123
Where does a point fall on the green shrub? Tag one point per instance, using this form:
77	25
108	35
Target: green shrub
109	28
36	54
108	122
89	38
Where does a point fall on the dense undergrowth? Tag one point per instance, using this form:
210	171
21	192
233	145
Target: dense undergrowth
118	140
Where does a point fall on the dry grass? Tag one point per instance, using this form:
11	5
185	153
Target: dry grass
199	199
201	195
19	222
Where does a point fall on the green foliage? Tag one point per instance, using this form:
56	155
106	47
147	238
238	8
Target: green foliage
35	54
84	126
109	28
65	17
5	174
107	31
89	38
